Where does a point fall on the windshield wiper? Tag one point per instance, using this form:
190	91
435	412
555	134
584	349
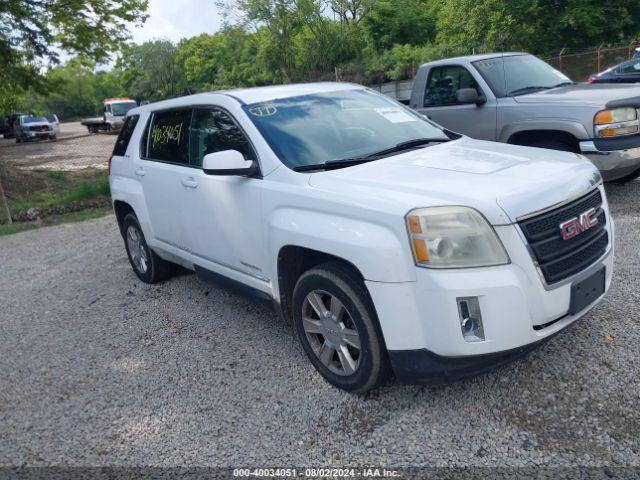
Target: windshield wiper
331	164
523	90
408	145
563	84
347	162
531	89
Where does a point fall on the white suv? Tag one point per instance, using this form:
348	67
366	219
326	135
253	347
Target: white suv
392	244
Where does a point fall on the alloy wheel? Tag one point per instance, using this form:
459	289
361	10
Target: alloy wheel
136	249
331	332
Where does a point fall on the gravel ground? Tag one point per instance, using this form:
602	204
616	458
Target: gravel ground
100	369
87	151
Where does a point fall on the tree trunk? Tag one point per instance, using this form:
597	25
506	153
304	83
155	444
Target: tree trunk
4	200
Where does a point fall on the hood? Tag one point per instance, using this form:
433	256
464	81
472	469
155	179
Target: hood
36	124
502	181
598	94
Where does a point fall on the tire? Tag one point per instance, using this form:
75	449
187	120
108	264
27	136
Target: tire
53	138
146	264
18	140
553	145
348	314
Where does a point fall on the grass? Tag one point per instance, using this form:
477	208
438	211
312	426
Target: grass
56	175
55	220
63	194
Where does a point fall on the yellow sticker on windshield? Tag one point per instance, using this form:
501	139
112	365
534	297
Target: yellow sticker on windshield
263	110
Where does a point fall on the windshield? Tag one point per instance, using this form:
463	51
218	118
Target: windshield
519	74
121	109
33	119
324	127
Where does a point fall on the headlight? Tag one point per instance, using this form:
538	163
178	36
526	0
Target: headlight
616	122
453	237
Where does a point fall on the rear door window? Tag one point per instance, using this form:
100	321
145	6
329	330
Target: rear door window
213	130
125	135
169	136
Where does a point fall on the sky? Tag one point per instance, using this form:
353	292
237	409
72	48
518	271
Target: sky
176	19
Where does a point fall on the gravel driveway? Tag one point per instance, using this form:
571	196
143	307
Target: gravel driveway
100	369
77	151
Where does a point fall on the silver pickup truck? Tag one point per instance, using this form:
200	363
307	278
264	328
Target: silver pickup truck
518	98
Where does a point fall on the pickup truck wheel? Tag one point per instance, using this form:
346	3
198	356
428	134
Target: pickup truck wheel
146	264
553	145
338	327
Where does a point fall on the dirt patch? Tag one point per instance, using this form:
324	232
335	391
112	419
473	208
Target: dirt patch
36	213
22	183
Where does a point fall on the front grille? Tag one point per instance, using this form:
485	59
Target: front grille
42	128
558	258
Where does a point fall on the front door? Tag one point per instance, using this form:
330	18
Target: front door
441	106
224	222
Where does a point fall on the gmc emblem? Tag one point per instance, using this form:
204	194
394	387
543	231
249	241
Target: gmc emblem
577	225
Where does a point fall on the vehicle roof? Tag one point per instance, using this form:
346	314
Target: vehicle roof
474	58
252	95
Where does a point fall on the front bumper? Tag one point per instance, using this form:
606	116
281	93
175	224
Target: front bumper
423	366
420	320
615	158
44	134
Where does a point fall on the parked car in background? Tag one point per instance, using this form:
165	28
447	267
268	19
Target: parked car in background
636	54
32	127
518	98
392	244
7	124
112	119
625	72
54	122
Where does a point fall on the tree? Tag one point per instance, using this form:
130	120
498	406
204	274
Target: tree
405	22
33	32
150	71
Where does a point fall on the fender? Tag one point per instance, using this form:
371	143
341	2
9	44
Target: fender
574	128
130	191
374	249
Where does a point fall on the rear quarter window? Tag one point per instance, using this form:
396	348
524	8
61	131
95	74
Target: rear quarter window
125	135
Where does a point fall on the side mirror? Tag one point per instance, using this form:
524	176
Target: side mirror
228	162
467	96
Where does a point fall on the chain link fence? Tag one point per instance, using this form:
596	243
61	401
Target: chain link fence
579	65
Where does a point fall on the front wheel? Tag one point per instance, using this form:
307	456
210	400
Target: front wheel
337	324
146	264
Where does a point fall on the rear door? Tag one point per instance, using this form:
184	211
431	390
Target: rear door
161	169
440	104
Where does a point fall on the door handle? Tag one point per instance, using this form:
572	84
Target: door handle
140	172
189	182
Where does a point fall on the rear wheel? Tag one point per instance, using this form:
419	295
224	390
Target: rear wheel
146	264
337	324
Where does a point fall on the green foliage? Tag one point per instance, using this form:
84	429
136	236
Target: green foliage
150	71
33	32
277	41
74	90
